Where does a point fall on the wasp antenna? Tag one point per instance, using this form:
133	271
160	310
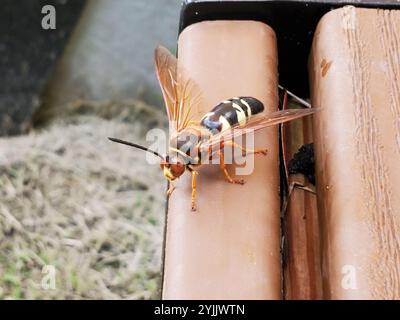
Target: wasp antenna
138	146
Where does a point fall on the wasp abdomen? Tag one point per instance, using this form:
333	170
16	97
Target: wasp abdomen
231	112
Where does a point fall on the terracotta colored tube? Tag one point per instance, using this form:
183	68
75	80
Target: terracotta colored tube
229	248
302	269
355	72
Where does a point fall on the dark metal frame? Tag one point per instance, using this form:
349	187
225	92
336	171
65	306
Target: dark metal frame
294	22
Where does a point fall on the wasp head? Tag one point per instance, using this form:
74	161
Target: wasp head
173	167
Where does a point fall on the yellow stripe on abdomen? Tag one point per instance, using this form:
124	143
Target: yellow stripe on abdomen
242	119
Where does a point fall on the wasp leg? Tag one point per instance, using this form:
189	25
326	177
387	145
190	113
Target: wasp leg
226	173
170	189
194	178
291	188
247	150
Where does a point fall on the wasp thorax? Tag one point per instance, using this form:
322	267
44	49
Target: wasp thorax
187	141
173	167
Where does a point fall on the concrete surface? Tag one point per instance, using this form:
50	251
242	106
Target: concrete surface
110	55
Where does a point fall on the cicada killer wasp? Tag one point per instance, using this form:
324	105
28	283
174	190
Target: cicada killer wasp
191	138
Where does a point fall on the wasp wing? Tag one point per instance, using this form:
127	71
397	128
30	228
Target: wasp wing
166	70
254	124
181	95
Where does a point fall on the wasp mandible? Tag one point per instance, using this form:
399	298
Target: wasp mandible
191	138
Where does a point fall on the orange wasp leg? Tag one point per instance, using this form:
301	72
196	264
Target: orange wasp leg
225	171
170	189
194	183
247	150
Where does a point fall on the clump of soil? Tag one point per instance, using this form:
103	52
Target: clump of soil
303	162
91	209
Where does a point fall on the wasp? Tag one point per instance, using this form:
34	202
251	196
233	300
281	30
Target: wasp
192	140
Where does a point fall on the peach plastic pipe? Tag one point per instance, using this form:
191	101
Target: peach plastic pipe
302	266
229	247
355	72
